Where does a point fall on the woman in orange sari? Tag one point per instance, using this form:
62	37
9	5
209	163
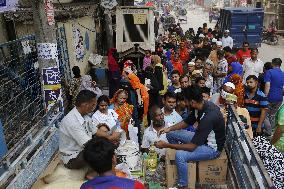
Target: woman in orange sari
240	90
122	108
141	90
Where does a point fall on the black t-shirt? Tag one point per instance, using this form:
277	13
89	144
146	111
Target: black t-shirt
210	118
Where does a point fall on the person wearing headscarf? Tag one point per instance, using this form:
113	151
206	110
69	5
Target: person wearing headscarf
152	84
239	89
161	76
88	84
114	73
122	108
234	68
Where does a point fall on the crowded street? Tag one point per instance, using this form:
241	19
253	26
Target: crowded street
134	94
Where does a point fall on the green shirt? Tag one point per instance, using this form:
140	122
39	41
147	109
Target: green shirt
279	120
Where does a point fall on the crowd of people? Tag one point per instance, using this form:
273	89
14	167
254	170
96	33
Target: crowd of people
178	98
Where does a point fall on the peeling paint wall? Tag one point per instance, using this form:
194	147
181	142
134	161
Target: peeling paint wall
79	49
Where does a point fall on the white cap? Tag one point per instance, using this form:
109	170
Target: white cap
214	40
227	31
201	35
219	43
230	84
191	63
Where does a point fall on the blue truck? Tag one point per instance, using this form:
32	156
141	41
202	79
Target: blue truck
245	24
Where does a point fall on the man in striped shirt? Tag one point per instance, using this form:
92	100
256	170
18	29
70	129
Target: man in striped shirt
256	103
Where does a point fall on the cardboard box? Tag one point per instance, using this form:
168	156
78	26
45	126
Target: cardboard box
171	170
213	171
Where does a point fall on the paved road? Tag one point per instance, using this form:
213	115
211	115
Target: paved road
196	17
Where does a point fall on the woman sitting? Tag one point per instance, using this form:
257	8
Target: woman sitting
122	108
88	84
103	115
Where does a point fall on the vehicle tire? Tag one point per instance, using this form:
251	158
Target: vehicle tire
275	40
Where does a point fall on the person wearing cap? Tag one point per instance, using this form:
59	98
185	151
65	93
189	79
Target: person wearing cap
227	97
213	54
227	40
190	68
219	98
219	44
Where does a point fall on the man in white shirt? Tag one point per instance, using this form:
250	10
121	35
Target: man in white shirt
151	133
227	40
76	130
252	65
170	114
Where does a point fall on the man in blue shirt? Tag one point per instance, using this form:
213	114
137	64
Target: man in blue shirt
256	103
274	82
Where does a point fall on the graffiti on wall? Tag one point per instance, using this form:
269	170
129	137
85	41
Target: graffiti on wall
79	43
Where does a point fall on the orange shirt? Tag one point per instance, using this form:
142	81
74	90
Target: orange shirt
178	66
184	55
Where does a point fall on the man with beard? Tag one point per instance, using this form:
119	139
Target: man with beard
201	145
151	133
256	103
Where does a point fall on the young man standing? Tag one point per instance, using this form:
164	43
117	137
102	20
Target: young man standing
151	133
256	103
99	153
184	81
227	40
229	55
243	53
274	82
76	130
252	65
171	116
175	87
198	146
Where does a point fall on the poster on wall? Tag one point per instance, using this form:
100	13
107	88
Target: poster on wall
51	86
49	10
47	50
8	5
78	43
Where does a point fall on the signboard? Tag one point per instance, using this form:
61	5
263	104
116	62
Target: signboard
49	10
8	5
51	86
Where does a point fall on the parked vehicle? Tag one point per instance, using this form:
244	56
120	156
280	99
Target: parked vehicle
181	16
214	14
168	20
269	36
245	24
